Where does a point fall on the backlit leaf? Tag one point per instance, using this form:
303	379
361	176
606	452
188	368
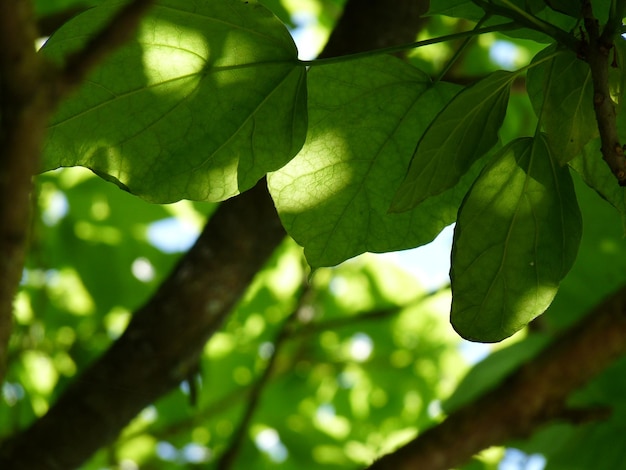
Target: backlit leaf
516	237
208	98
464	131
365	117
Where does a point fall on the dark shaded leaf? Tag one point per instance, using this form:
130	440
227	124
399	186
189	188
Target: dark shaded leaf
461	133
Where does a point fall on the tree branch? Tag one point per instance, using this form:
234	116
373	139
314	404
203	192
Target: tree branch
24	108
533	395
162	343
596	52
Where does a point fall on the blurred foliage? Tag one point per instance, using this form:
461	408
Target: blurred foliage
369	356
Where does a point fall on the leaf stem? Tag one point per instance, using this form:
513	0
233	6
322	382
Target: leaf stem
414	45
461	49
525	19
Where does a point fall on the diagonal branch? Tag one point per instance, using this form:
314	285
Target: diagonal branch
227	459
163	342
533	395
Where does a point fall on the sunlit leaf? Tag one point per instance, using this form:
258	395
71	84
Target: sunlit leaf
463	132
561	92
365	117
516	237
206	100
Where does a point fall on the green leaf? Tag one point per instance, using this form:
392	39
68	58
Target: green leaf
597	174
333	198
516	237
463	132
561	93
208	98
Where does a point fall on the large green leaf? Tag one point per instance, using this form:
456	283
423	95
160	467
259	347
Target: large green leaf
208	98
516	237
365	117
561	92
464	131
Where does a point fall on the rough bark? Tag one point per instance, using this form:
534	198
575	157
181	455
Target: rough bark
596	51
23	115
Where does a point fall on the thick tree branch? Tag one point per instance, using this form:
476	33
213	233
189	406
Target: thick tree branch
23	115
374	24
596	52
163	342
533	395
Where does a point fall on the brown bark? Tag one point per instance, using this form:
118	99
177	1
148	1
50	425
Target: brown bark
23	115
373	24
596	51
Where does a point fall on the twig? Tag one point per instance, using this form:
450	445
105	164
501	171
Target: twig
336	323
614	23
527	20
533	395
227	459
472	33
596	52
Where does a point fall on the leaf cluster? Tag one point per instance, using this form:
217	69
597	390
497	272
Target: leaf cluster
363	153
